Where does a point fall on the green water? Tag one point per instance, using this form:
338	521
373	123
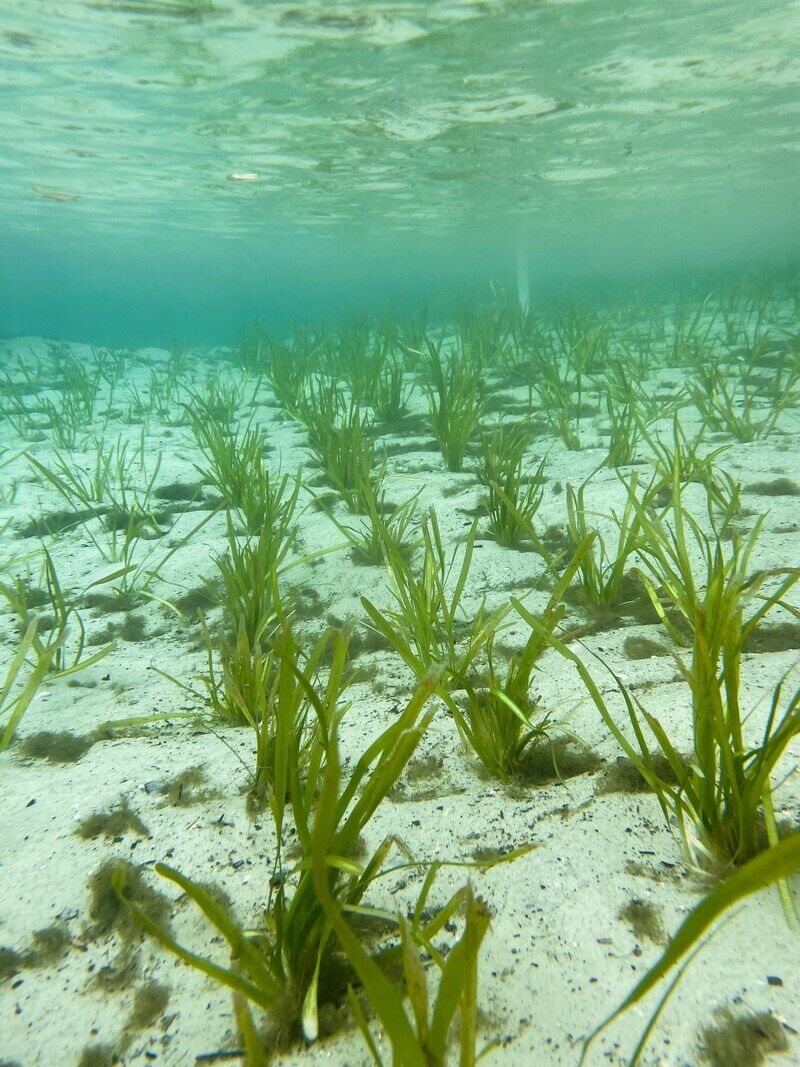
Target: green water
173	170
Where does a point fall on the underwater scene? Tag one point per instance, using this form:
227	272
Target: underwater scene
399	533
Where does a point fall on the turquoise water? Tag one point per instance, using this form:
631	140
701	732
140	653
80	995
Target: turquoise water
174	169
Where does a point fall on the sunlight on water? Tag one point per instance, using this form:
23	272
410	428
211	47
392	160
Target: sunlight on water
220	115
243	153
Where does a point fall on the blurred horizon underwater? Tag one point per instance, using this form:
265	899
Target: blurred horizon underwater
175	170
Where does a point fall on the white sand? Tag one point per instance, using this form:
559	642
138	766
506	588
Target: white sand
557	957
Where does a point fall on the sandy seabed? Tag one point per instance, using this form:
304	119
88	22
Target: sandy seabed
575	922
